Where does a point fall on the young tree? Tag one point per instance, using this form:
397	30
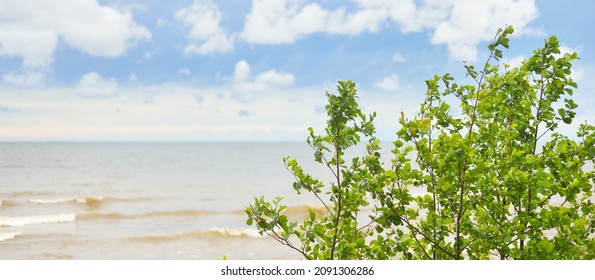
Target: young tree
494	187
338	234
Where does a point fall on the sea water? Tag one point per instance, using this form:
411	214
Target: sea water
144	200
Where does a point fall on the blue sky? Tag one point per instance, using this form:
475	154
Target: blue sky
131	70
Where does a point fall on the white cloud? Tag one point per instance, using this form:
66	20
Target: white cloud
158	112
471	22
133	78
275	78
184	71
161	22
204	18
515	61
578	73
410	17
25	78
353	24
282	21
243	81
389	83
241	71
150	54
93	85
101	31
458	24
271	22
35	27
193	113
565	49
398	58
31	30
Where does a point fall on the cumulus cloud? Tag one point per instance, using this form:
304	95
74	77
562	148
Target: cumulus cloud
458	24
243	78
270	22
275	78
204	19
31	30
389	83
470	22
282	21
93	85
25	78
241	71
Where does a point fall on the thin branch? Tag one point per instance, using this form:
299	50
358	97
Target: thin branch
540	204
421	247
368	225
591	227
322	201
406	221
286	242
313	191
325	160
273	234
547	130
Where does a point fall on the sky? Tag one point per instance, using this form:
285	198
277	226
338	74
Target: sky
240	70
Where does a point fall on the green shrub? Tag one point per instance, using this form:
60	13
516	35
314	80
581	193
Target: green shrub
492	186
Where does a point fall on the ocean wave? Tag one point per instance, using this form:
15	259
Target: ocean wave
305	210
210	233
33	220
301	212
86	200
5	203
180	213
9	235
93	201
225	232
27	193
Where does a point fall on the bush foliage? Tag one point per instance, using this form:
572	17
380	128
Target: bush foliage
493	187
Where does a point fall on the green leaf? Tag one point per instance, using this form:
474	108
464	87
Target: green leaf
498	54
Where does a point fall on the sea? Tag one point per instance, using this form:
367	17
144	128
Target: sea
140	201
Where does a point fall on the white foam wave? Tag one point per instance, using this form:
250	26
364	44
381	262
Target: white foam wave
49	201
235	232
212	232
33	220
8	235
86	200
